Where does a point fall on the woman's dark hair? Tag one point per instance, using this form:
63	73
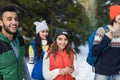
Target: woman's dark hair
112	21
38	46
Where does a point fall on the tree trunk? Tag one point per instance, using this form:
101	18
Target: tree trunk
90	7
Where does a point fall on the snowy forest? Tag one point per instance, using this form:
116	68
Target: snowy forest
80	17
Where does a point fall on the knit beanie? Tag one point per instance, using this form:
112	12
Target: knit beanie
114	11
41	26
60	31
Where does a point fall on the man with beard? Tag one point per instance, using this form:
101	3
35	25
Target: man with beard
12	46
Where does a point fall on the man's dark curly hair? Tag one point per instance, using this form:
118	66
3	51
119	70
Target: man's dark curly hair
10	8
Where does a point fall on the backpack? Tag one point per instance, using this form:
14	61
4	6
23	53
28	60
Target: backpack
92	59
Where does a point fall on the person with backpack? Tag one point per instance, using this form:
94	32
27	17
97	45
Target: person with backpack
92	59
107	66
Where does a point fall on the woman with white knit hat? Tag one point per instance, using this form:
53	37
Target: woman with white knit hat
38	47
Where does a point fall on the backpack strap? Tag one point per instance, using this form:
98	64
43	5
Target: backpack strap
105	27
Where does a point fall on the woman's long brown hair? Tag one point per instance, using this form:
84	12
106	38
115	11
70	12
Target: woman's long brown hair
54	48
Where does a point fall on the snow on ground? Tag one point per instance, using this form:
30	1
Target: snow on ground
30	67
85	70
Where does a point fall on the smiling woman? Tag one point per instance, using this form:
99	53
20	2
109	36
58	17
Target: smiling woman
62	53
62	42
37	49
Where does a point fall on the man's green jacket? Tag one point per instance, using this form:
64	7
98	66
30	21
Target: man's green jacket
11	68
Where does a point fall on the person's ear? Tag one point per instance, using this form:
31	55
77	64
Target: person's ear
1	23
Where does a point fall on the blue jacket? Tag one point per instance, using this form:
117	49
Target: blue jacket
37	70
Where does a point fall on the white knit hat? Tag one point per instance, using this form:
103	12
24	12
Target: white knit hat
41	26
